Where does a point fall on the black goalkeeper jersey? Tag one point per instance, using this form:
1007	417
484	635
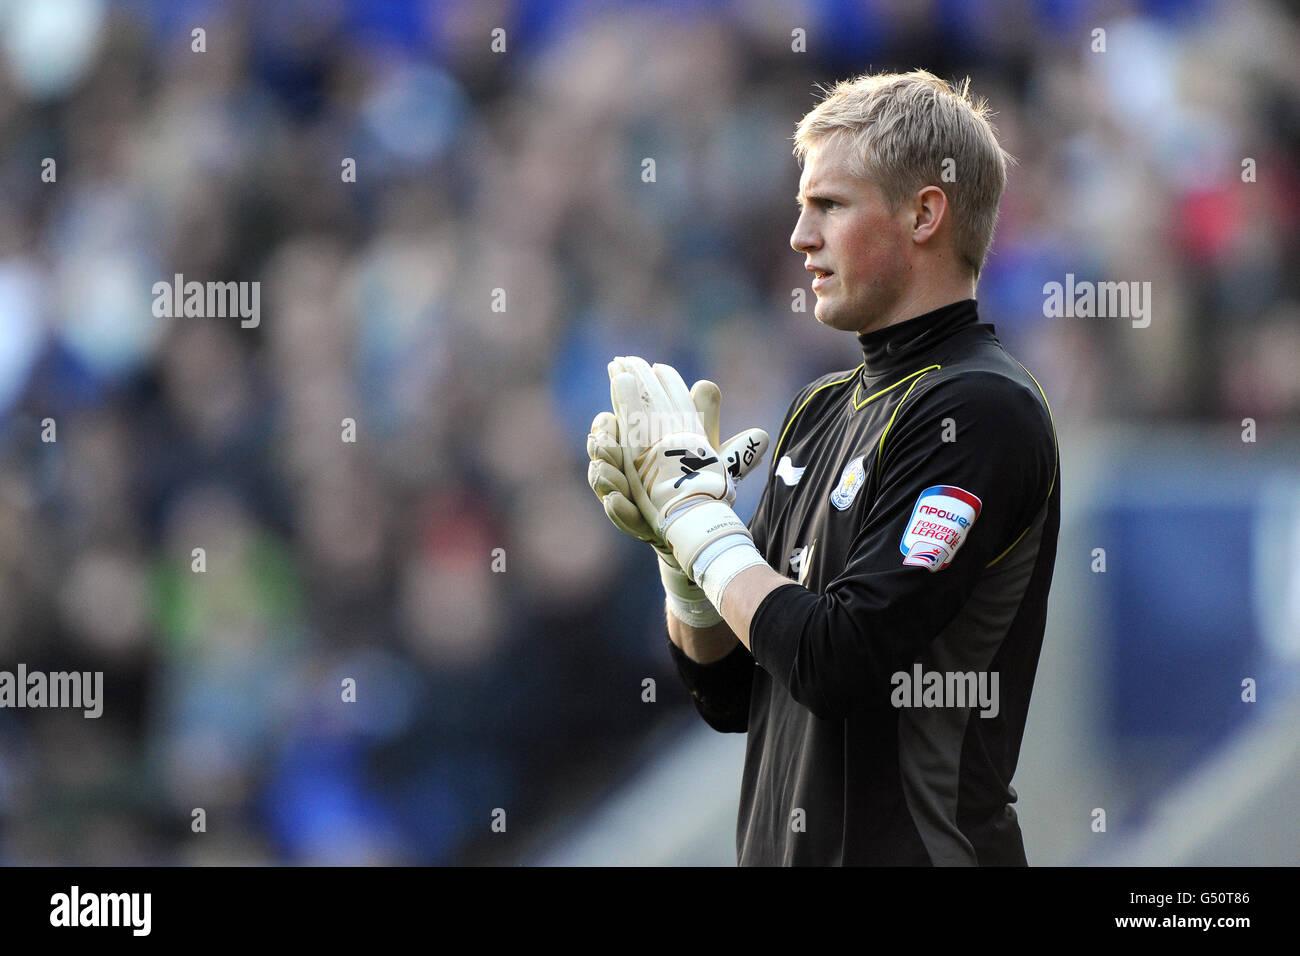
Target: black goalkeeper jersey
914	503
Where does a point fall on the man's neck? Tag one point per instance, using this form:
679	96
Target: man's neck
919	301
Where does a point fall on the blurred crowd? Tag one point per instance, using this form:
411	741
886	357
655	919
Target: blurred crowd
458	302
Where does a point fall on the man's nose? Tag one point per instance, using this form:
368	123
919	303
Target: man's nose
804	238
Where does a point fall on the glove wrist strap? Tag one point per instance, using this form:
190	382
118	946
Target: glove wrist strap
691	529
685	600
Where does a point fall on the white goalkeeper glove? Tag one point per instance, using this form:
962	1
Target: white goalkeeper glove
676	475
741	452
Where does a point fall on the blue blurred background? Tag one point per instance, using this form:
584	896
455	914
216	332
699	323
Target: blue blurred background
521	170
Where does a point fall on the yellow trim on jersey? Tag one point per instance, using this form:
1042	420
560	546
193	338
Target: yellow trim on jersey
880	449
1010	547
1056	448
840	381
872	398
856	404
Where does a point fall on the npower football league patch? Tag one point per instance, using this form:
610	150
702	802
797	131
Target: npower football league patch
939	524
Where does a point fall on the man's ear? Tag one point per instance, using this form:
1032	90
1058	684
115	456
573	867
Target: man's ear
930	209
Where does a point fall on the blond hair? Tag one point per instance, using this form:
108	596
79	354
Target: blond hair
902	128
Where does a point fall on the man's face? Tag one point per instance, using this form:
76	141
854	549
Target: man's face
846	229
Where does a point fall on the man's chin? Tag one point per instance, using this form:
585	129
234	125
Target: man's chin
835	319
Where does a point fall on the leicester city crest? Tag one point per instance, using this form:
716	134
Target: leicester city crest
852	479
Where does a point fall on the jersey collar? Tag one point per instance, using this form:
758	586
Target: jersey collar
897	348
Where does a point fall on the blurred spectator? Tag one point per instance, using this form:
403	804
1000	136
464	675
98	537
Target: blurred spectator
457	303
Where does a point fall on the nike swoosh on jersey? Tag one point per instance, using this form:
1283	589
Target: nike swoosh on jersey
787	472
893	348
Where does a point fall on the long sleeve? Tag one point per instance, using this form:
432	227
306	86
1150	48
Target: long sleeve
720	690
836	652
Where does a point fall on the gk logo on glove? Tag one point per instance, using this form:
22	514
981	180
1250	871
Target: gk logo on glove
940	522
738	458
691	464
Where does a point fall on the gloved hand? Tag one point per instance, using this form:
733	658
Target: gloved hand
742	453
680	481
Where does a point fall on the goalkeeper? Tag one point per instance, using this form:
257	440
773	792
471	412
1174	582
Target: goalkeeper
875	629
